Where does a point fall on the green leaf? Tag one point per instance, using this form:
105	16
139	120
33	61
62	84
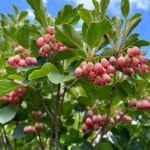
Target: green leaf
140	43
117	24
75	148
7	86
67	15
84	31
96	5
96	31
61	55
39	11
131	39
15	9
42	72
86	15
16	77
22	15
7	113
104	4
104	145
87	146
22	36
18	131
132	23
56	77
125	7
68	36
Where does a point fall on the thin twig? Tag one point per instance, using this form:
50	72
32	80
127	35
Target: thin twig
108	112
6	138
40	142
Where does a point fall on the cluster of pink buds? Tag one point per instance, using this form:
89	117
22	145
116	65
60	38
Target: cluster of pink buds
37	127
14	96
143	104
49	44
122	117
133	62
98	73
94	121
22	60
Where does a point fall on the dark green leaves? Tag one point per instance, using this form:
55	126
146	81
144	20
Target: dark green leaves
67	15
68	36
125	7
7	113
39	11
18	131
7	86
104	145
96	31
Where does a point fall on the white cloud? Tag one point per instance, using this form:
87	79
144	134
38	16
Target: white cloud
30	14
114	5
45	1
134	4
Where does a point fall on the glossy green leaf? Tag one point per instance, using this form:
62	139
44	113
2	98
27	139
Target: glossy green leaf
68	15
18	131
7	113
22	36
7	86
125	7
96	31
42	72
103	146
132	23
22	15
86	15
56	77
68	36
104	4
39	11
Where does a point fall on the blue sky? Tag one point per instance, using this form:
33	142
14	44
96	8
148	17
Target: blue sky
53	6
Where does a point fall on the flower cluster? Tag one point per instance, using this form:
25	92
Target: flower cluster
100	73
144	104
22	60
96	122
37	127
133	62
14	96
49	44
